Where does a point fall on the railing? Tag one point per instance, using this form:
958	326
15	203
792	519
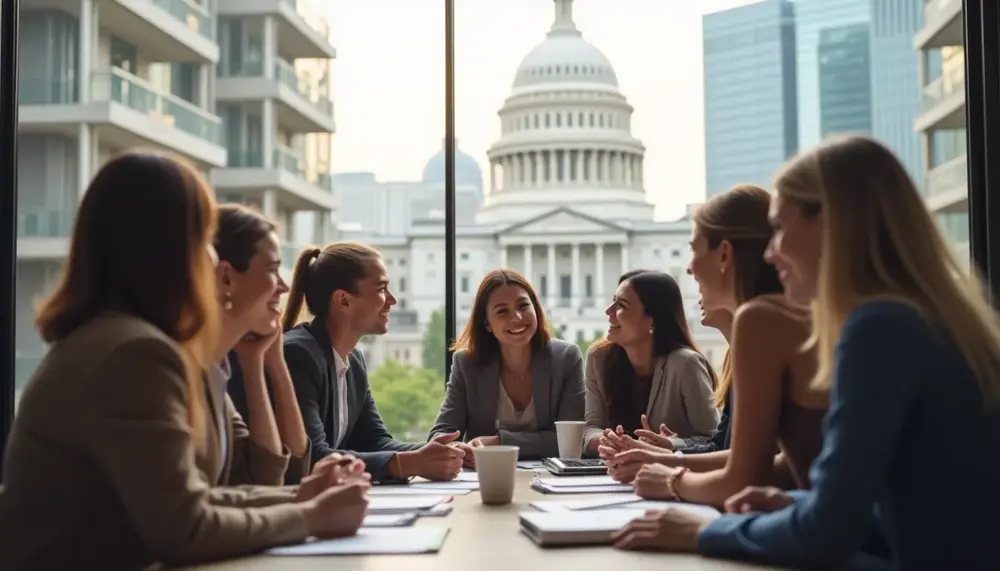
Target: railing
44	224
947	176
310	16
191	14
45	91
953	81
124	88
246	69
245	159
287	160
935	11
285	73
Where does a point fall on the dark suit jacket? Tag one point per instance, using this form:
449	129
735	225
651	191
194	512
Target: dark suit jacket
309	355
470	402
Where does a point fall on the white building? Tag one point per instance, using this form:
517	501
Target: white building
237	88
566	206
941	121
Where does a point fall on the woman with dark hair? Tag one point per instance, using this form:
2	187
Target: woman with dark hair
345	286
115	451
272	446
510	380
647	371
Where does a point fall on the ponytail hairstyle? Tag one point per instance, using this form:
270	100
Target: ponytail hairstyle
321	272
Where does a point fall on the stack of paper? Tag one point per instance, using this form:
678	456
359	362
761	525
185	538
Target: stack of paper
593	525
424	539
580	485
389	520
629	502
421	505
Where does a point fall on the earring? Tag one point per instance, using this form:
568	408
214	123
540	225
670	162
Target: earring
651	330
228	303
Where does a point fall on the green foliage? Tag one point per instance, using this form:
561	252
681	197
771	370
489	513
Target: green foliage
585	344
408	398
435	345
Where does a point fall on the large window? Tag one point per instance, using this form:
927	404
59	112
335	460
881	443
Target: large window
585	133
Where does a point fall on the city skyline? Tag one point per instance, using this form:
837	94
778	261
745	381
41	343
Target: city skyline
393	137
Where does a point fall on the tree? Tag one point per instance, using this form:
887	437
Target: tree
435	345
408	398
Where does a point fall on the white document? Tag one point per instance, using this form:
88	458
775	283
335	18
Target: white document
389	520
403	504
446	487
423	539
596	504
394	490
579	481
608	489
467	476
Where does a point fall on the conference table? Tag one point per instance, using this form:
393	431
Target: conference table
488	538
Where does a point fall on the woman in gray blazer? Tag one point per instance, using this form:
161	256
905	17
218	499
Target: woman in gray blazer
510	381
648	372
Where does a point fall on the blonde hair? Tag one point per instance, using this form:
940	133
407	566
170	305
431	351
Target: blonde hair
880	242
739	216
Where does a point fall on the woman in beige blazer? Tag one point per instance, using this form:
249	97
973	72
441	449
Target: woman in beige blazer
647	372
113	455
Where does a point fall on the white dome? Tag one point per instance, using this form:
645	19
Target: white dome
565	56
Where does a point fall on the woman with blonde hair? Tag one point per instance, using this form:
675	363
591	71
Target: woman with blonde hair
767	380
115	448
910	349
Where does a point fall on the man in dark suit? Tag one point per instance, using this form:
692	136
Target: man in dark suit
346	286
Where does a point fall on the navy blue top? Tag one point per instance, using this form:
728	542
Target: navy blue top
906	437
720	440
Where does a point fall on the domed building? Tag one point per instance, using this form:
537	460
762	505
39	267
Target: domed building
566	206
467	171
566	135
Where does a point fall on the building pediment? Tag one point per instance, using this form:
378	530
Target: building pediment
561	221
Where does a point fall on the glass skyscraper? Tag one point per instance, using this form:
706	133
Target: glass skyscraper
750	104
845	95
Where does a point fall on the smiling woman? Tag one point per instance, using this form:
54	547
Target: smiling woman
510	381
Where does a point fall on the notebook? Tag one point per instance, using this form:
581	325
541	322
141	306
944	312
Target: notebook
423	539
580	485
592	526
405	504
389	520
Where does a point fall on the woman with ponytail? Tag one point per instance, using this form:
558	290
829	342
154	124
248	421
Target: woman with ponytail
345	287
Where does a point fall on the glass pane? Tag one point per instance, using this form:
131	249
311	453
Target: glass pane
161	90
390	170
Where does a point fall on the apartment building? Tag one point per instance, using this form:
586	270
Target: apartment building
240	88
941	119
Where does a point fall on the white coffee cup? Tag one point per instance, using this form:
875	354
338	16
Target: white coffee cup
496	467
569	435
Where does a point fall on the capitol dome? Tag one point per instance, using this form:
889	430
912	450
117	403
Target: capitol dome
467	171
565	136
565	56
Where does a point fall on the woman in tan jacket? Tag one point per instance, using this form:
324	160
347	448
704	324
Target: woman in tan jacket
112	457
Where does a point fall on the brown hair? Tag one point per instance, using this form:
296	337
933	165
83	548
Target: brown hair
240	228
482	345
739	216
661	300
146	254
319	273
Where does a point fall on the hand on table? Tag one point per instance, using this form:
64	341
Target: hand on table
337	511
655	438
330	472
623	466
650	482
758	499
436	460
662	530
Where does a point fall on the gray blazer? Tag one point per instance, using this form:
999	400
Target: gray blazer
681	397
470	401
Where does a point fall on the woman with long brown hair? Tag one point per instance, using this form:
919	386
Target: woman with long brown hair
510	380
647	371
114	451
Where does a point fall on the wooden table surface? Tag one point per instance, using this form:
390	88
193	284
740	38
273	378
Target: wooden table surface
488	538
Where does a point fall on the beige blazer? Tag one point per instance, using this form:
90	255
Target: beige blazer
681	397
101	469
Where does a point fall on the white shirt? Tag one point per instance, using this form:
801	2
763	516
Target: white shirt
340	365
513	420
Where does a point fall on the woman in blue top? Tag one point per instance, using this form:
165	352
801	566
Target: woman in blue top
910	349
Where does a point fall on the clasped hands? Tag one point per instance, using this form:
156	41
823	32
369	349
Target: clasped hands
334	497
626	455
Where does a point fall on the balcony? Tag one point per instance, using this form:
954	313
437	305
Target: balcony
301	190
302	31
301	109
165	30
128	111
947	186
43	234
942	25
943	102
